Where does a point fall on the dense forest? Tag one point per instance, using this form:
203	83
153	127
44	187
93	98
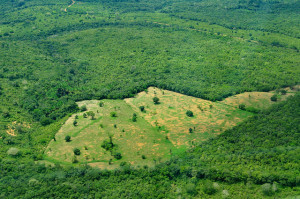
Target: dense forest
52	56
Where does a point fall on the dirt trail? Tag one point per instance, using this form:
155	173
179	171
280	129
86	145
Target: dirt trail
73	2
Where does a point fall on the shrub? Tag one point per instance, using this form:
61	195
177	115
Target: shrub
143	157
142	108
113	114
156	100
101	104
242	106
190	130
84	115
283	92
83	108
189	113
13	152
134	116
76	151
118	156
274	98
68	138
75	123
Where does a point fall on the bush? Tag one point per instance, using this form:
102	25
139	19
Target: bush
143	157
113	114
83	108
134	116
156	100
76	151
118	156
189	113
13	152
68	138
142	108
101	104
242	107
274	98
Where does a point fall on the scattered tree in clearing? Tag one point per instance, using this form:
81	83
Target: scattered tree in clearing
134	117
274	98
76	117
83	108
118	156
113	114
76	151
189	113
142	108
84	115
101	104
242	107
191	130
68	138
92	114
156	100
75	123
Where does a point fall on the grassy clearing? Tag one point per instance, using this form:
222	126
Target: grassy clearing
259	100
160	130
170	116
133	139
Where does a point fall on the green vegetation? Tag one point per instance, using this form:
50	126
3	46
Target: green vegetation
56	53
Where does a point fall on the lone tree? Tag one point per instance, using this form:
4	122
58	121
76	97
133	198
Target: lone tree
83	108
142	108
134	116
101	104
84	115
75	123
156	100
189	113
76	151
242	106
118	156
68	138
274	98
190	130
92	114
113	114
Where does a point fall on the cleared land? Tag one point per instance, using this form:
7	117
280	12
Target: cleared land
159	131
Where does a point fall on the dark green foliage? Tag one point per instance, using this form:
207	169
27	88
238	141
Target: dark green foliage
142	108
84	115
191	130
283	92
68	138
143	157
134	117
118	156
101	104
76	151
242	106
113	114
83	108
75	123
189	113
274	98
107	145
156	100
209	188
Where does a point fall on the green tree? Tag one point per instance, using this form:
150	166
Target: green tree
189	113
76	151
113	114
68	138
134	117
83	108
156	100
